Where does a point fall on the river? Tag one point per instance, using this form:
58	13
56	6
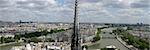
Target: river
110	41
8	47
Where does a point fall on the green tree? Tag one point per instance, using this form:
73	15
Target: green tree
2	39
129	28
97	36
17	37
35	40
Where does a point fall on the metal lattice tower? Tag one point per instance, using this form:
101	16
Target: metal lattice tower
76	37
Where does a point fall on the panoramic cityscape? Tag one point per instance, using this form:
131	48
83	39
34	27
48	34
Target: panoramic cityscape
74	25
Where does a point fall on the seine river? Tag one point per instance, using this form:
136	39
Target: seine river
105	42
8	47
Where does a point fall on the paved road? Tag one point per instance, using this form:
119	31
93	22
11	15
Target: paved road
108	41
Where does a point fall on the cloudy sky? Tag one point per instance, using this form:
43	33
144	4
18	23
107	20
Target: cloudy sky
100	11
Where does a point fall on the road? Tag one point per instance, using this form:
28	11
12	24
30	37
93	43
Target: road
108	39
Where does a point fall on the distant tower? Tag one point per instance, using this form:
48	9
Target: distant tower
20	21
76	37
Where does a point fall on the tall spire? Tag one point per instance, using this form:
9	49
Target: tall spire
76	43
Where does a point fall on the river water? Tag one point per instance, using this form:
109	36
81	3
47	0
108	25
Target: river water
8	47
105	42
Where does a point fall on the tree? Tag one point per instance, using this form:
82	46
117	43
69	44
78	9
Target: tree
97	36
85	46
2	39
17	37
9	39
129	28
132	40
49	40
35	40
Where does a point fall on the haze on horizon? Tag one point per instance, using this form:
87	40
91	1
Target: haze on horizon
99	11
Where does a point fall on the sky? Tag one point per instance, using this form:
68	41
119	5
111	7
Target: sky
97	11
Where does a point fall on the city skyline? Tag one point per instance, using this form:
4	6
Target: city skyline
97	11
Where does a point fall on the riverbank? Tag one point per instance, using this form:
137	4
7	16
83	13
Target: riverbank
130	47
10	45
4	44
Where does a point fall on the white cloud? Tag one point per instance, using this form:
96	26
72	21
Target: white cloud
115	11
51	1
31	4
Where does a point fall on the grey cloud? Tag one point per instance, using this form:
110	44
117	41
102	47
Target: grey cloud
141	4
2	2
5	3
